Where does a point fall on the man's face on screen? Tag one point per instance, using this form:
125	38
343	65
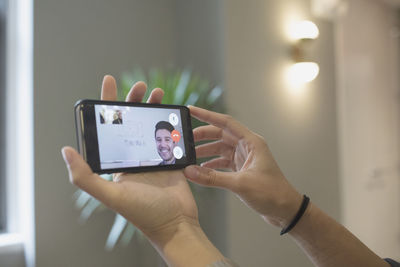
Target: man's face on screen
165	144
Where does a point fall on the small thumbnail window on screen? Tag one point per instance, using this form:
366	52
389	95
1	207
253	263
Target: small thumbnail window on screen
134	137
110	116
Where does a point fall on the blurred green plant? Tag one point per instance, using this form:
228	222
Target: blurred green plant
181	87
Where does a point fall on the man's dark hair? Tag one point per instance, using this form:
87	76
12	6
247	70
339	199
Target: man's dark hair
164	125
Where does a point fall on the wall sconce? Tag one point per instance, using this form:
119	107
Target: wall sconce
303	70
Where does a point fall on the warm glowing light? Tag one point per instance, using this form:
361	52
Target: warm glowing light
302	72
303	30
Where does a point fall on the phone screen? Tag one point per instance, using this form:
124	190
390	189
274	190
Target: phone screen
131	136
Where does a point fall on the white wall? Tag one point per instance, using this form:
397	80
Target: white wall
3	18
300	130
369	118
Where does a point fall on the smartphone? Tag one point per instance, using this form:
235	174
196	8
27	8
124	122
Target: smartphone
134	137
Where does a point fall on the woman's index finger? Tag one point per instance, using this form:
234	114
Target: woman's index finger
222	121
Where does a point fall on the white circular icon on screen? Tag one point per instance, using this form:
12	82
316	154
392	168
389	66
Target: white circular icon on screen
173	119
178	153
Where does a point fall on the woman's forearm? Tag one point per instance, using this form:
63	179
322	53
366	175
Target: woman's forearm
185	245
328	243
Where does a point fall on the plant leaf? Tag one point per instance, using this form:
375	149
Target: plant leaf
192	99
115	232
107	177
130	230
214	95
82	199
180	90
89	209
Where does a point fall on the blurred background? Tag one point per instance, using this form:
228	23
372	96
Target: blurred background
336	137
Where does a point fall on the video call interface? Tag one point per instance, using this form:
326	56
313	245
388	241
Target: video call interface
139	136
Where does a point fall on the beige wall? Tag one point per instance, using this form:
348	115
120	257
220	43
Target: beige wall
369	118
76	43
300	130
199	46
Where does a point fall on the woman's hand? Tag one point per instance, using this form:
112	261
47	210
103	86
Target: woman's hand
253	173
159	203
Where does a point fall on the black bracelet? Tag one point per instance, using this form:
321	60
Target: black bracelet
296	218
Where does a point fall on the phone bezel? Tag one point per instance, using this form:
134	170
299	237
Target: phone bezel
86	130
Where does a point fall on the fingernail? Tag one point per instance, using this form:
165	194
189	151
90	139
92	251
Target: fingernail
195	171
192	171
66	155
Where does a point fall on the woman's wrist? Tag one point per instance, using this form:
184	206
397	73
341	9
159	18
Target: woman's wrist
184	244
285	208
